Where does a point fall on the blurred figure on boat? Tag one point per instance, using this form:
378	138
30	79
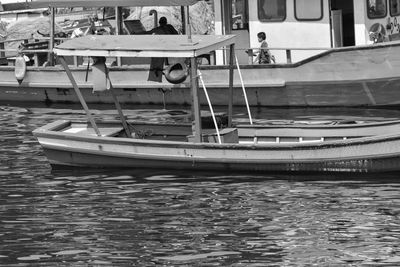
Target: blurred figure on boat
263	55
164	27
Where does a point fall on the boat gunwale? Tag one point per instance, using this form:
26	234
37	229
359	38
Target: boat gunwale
60	123
46	132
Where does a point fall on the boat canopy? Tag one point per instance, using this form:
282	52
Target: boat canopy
103	3
143	45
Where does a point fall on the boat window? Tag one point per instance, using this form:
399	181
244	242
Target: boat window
239	15
308	9
394	7
271	10
376	9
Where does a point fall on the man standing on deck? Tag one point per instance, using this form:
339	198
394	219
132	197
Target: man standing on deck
157	64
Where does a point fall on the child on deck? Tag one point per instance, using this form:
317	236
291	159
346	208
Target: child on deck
263	55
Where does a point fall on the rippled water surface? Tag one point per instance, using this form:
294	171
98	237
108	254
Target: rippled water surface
153	218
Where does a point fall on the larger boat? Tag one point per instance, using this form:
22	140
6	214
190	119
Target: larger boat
328	53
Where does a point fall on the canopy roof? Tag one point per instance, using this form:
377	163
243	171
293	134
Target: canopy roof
143	45
103	3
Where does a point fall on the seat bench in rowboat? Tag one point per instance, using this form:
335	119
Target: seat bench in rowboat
368	147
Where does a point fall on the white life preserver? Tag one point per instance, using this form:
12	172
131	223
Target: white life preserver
20	68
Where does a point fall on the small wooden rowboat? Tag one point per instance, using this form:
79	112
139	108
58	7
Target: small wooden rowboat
367	147
371	147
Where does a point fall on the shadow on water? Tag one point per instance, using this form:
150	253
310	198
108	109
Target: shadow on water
161	175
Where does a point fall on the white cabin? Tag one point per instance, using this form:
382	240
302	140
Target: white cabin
305	24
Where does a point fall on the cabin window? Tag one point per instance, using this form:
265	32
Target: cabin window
239	15
308	9
376	9
394	7
271	10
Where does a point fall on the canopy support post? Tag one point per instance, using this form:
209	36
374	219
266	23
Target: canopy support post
120	113
230	94
79	94
194	81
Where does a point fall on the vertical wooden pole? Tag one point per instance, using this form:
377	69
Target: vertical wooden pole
250	54
118	20
2	52
79	94
50	57
188	27
288	56
183	18
118	27
76	61
230	94
36	60
194	84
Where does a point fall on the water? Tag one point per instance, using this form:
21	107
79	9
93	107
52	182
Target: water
153	218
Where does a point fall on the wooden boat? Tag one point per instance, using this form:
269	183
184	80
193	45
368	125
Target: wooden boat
359	74
370	147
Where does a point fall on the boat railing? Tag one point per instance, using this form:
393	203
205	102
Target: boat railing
38	48
252	52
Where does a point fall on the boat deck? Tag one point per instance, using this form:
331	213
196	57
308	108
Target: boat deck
108	131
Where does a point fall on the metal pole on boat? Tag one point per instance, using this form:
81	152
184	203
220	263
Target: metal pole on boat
230	97
79	94
194	85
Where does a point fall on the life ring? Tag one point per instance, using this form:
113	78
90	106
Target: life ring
20	68
377	33
176	73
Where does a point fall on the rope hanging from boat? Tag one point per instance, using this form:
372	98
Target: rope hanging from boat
244	90
209	104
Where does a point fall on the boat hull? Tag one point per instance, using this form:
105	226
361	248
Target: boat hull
352	76
79	159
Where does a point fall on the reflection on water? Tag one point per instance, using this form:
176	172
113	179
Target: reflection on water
150	218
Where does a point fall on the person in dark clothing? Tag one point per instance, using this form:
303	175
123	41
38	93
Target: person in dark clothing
164	27
157	64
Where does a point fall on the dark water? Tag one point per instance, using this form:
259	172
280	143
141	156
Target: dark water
152	218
